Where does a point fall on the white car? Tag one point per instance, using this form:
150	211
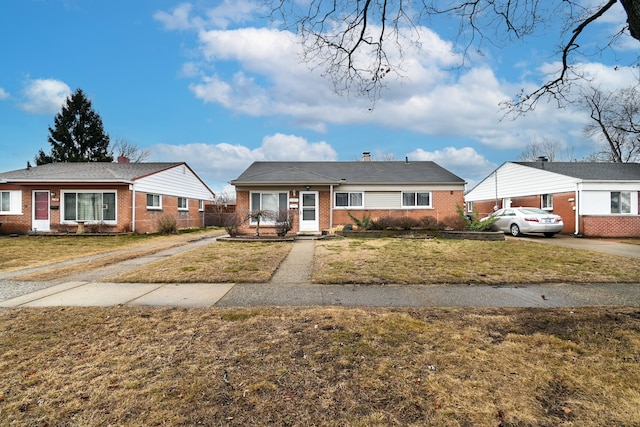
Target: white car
527	220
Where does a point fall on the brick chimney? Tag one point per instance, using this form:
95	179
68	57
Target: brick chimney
123	159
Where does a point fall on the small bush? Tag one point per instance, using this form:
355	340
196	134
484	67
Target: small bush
167	224
382	223
454	223
364	223
429	223
231	222
283	223
408	223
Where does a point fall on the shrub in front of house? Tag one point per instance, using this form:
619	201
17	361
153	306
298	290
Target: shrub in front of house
167	224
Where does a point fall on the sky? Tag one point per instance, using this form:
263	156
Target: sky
216	85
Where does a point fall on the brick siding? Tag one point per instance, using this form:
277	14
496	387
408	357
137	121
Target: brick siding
610	226
146	220
444	206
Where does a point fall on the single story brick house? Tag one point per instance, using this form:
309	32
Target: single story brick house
320	195
593	199
118	197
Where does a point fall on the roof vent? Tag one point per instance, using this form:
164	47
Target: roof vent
366	156
543	159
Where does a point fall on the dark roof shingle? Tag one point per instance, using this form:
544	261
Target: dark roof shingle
83	171
356	172
590	170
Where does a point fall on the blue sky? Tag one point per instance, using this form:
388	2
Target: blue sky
213	84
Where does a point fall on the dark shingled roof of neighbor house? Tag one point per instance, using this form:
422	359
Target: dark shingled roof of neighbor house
85	172
590	170
356	172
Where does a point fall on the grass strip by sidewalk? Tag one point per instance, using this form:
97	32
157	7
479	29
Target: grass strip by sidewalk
320	366
419	261
227	262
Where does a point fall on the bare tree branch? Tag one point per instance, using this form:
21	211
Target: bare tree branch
349	39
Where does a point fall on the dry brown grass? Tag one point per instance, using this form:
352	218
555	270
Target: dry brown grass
253	262
34	251
413	261
328	366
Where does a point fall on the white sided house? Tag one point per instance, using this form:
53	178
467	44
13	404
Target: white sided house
594	199
101	196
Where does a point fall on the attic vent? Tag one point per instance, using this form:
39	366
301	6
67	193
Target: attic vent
366	156
543	159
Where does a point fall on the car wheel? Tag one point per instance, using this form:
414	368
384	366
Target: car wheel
515	230
549	234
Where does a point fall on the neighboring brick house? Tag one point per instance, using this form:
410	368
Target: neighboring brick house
320	195
118	197
594	199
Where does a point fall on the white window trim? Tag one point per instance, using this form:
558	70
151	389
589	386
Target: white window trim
185	208
15	202
470	207
348	207
620	202
154	208
542	205
68	221
416	192
251	208
200	205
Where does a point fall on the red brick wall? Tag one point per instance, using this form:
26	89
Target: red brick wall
21	224
444	205
610	226
147	219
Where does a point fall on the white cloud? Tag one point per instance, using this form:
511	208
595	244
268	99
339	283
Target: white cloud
259	72
228	12
44	96
465	162
4	94
234	12
217	164
178	18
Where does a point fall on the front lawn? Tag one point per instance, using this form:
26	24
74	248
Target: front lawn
420	261
320	366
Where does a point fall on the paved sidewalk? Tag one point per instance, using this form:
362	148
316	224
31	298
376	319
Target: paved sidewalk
290	286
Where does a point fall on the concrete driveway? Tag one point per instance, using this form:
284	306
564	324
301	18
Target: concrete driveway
607	246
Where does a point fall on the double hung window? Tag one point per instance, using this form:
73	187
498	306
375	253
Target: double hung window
5	201
89	206
183	204
349	200
620	202
547	201
154	201
416	199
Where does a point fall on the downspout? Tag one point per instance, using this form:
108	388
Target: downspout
331	206
133	208
577	209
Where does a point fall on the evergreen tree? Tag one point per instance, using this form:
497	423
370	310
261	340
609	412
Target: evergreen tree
78	135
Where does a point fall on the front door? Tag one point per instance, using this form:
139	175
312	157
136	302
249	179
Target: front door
40	212
309	221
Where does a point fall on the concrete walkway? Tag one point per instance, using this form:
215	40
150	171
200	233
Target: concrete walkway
290	286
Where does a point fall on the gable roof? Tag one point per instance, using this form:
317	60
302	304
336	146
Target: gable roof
356	172
86	172
590	171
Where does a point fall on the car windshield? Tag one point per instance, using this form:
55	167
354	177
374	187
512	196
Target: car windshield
534	211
